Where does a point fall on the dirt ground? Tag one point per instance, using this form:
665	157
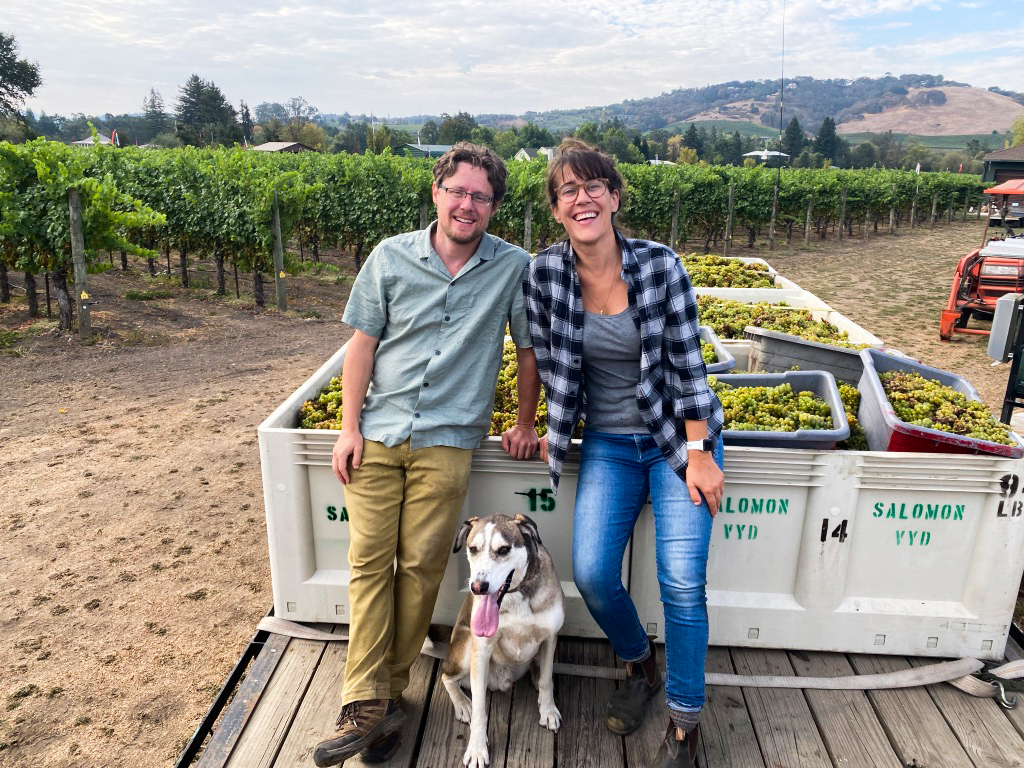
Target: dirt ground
133	565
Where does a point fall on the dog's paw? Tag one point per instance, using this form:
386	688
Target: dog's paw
463	710
476	755
550	717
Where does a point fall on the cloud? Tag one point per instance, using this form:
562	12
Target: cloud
396	57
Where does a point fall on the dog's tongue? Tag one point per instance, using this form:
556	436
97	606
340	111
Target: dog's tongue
485	615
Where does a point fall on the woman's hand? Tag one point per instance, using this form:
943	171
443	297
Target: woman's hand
704	477
543	448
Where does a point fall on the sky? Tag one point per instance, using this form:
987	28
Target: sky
395	58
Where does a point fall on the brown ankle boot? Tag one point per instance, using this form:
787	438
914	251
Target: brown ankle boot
678	754
360	724
625	709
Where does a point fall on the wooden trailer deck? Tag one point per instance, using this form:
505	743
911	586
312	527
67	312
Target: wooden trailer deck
288	701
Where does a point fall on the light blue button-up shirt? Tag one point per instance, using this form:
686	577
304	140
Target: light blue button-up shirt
441	338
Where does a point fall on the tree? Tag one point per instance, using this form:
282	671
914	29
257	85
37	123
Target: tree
793	140
455	129
826	143
205	117
245	118
693	139
266	112
154	115
532	136
429	133
1017	133
18	78
300	111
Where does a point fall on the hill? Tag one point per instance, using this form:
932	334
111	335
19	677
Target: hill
912	104
962	111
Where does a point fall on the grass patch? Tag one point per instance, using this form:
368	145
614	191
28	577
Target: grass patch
149	295
8	339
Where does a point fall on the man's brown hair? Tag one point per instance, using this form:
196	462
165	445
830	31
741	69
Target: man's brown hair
476	156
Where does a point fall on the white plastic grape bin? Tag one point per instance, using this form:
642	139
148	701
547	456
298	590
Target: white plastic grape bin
861	552
741	348
819	550
307	528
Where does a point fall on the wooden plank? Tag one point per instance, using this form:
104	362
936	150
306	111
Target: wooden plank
530	744
781	718
272	718
230	726
915	727
727	734
443	742
584	740
642	745
979	724
317	711
414	704
1015	715
846	720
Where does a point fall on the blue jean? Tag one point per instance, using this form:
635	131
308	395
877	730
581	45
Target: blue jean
617	473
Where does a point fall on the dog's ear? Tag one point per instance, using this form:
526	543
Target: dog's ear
529	530
460	537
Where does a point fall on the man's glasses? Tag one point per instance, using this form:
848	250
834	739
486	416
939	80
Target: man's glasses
593	187
457	194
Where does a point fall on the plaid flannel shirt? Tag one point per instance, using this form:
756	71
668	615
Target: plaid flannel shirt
673	384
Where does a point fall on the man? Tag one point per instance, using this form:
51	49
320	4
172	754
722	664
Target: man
429	309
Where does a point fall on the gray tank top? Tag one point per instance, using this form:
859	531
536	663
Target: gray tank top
611	373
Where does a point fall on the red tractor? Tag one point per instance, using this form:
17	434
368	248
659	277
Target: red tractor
988	272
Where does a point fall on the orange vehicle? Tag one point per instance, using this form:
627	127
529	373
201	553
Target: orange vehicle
986	273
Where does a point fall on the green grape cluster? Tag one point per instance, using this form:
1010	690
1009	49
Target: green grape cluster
506	400
323	411
712	271
770	409
728	318
857	441
707	351
928	403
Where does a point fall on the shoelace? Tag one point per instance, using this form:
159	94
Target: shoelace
348	714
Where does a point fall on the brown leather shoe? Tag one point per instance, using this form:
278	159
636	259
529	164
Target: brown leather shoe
360	724
384	748
625	709
677	754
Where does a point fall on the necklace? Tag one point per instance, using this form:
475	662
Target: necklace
608	295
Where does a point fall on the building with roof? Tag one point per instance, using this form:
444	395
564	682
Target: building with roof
423	150
528	153
1004	165
88	142
282	146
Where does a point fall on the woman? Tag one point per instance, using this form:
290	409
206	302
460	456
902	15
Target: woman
614	327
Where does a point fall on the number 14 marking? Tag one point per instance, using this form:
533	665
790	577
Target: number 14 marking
839	532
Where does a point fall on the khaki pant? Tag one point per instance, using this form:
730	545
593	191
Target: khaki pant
403	506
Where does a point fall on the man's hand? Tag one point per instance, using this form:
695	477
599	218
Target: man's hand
348	446
704	476
519	442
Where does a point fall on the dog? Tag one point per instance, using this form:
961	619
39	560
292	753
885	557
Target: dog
508	623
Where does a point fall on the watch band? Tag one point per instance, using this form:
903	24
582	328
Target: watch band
707	445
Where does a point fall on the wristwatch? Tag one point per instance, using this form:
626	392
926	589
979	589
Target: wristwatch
706	445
